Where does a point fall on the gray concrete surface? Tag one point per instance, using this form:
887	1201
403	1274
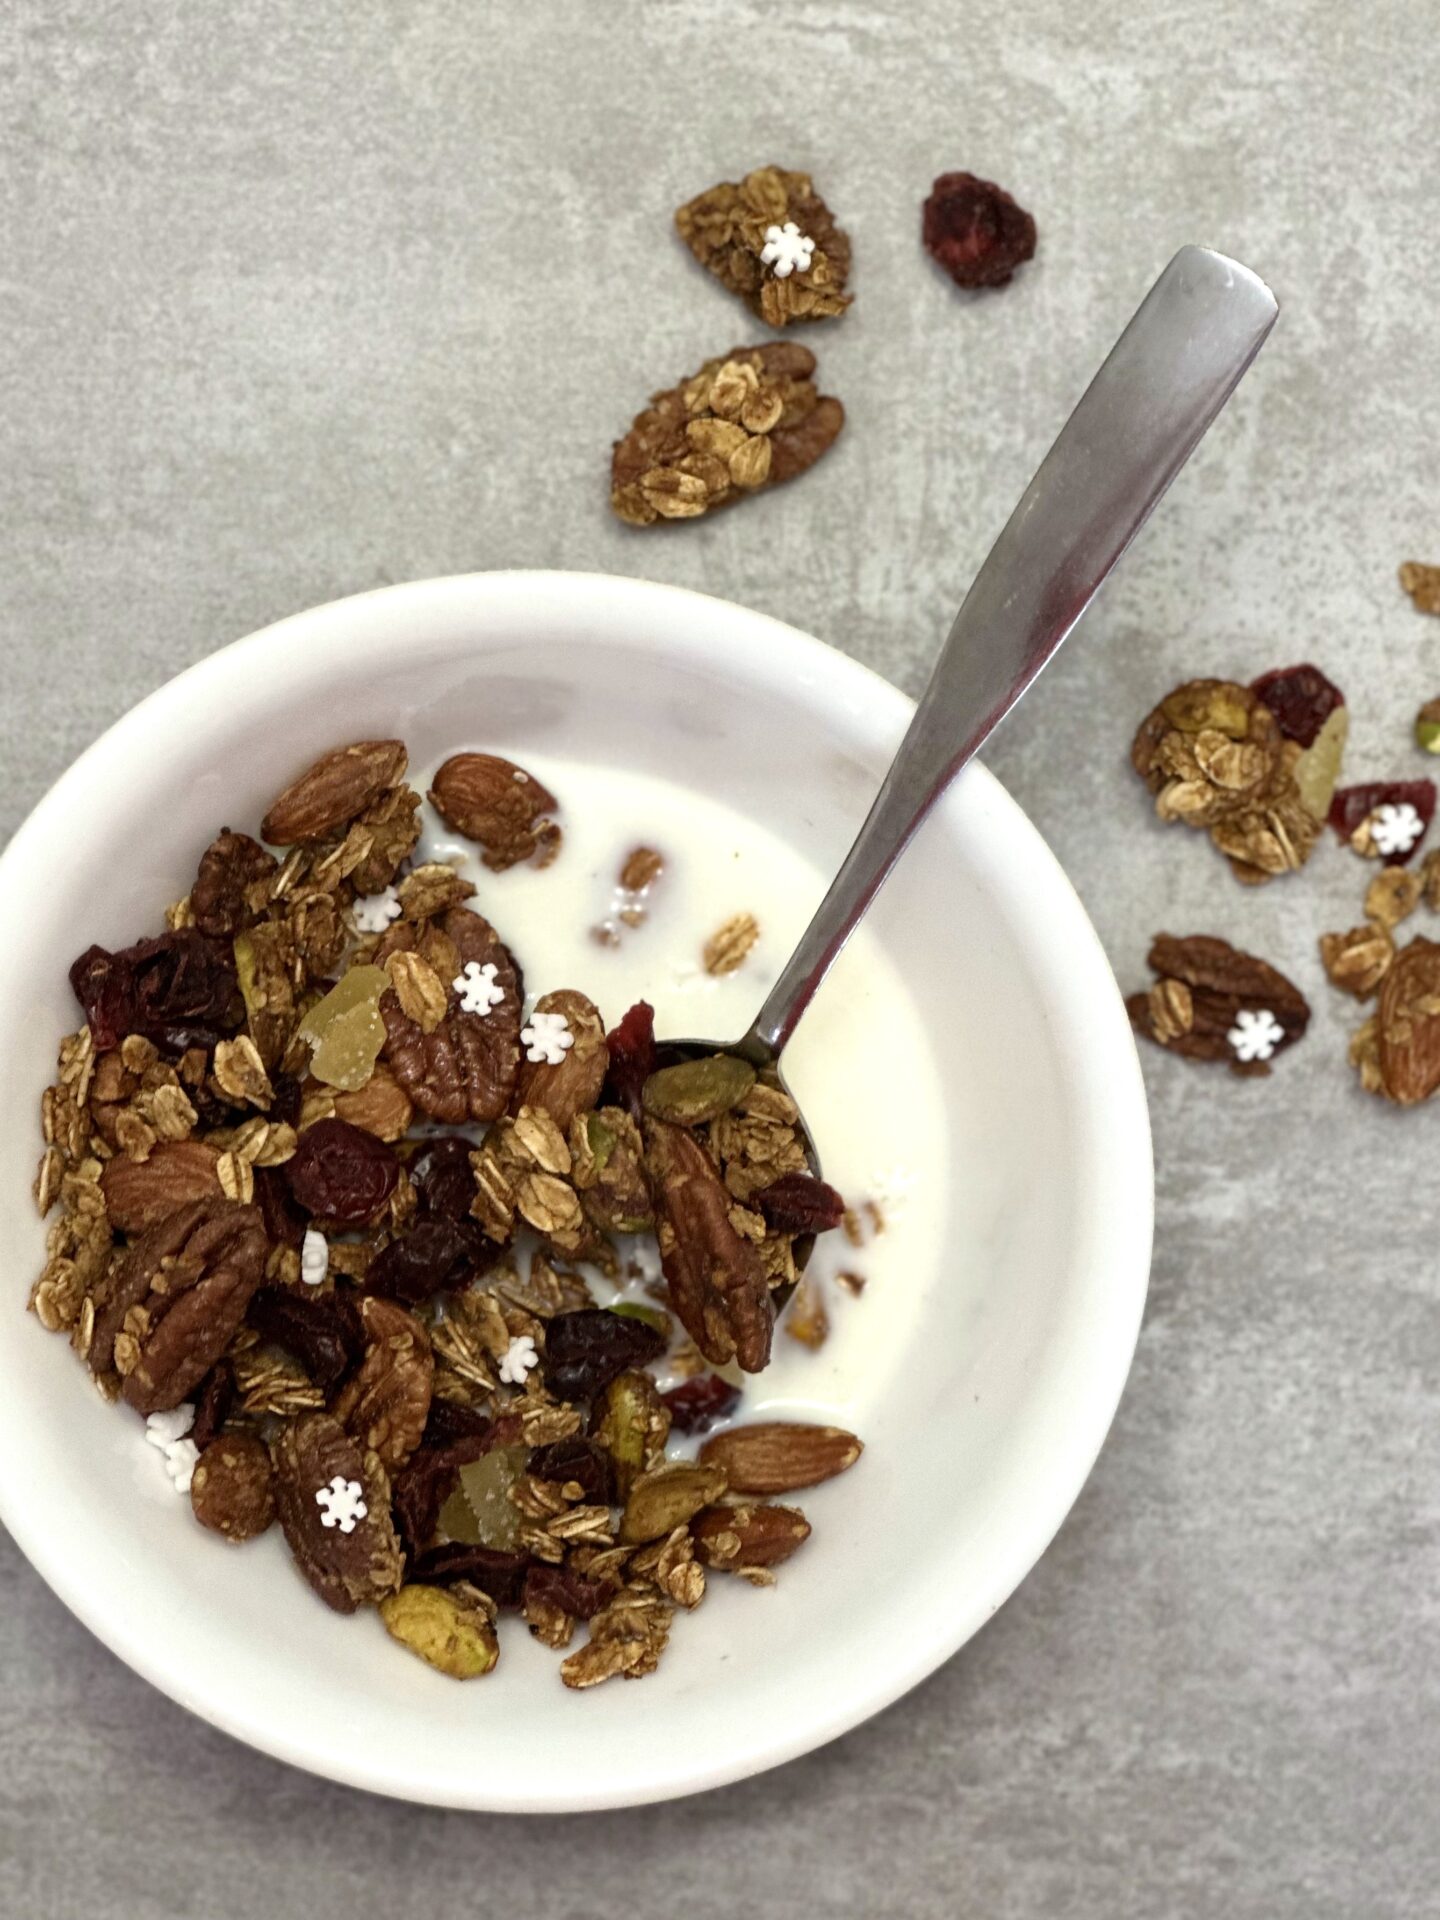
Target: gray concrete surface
297	298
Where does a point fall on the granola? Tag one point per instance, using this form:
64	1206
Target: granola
746	421
1212	1002
388	1340
772	240
1218	758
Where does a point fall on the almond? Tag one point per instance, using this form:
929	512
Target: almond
748	1536
1409	1024
333	791
141	1193
494	802
776	1456
381	1106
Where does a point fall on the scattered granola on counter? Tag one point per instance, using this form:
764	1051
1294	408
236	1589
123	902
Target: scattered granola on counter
1212	1002
1255	767
772	240
381	1337
746	421
1422	583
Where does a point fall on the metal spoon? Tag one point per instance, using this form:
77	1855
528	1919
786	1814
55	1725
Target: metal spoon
1141	418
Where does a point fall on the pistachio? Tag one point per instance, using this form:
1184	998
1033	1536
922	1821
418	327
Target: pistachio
695	1091
454	1639
668	1497
632	1423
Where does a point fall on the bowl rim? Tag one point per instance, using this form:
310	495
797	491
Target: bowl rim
1086	998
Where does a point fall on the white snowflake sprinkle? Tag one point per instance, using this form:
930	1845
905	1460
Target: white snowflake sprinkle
477	987
314	1258
520	1360
162	1430
341	1504
181	1459
374	911
548	1037
787	250
1255	1036
1395	829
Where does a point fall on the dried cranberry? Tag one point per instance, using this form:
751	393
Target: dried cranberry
570	1591
1301	699
214	1398
799	1203
578	1459
449	1421
585	1350
176	990
632	1059
339	1172
1351	805
324	1334
284	1222
975	230
501	1575
435	1256
697	1404
444	1178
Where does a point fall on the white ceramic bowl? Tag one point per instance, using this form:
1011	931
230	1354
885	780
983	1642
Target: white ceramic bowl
1013	1344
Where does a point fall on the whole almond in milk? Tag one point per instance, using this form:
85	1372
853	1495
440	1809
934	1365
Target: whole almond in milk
499	805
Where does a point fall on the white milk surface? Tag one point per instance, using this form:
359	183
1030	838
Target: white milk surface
859	1064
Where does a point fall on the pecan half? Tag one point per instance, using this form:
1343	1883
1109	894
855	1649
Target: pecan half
1408	1024
1204	986
466	1068
178	1301
386	1404
572	1085
496	803
744	422
717	1284
348	1569
338	787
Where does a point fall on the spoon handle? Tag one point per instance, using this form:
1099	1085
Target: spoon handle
1141	418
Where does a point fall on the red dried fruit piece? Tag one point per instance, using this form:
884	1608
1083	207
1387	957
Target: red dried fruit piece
341	1173
570	1591
697	1404
500	1574
435	1256
324	1334
975	231
578	1459
585	1350
1301	699
632	1059
448	1421
1352	805
443	1178
176	990
799	1203
213	1401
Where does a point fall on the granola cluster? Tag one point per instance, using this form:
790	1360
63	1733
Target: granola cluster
323	1204
737	230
